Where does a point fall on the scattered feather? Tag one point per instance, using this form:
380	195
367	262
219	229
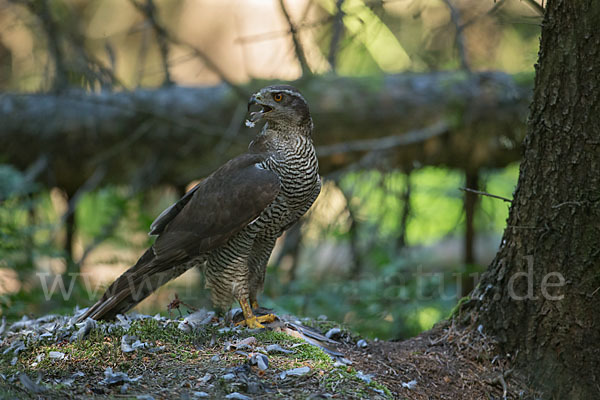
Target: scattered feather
113	378
410	384
237	396
294	372
123	322
85	328
333	333
205	379
275	348
56	355
260	360
15	347
242	344
341	362
229	377
196	320
131	343
365	377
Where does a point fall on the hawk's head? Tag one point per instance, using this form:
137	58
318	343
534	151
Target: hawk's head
280	105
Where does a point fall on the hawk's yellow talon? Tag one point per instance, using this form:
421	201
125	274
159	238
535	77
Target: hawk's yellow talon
251	323
267	318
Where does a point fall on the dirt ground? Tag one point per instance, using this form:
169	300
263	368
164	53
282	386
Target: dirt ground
444	363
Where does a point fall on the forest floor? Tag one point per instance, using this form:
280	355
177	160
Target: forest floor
154	358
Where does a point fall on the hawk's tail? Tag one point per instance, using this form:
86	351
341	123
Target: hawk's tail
133	286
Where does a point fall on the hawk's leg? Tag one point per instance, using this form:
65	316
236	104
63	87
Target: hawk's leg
250	320
268	318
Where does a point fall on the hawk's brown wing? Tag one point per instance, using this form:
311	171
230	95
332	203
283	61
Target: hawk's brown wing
215	209
209	214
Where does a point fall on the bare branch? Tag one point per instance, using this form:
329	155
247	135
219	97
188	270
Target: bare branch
149	11
338	29
491	11
485	194
91	69
406	211
297	45
385	143
167	36
90	184
460	39
536	6
272	35
41	10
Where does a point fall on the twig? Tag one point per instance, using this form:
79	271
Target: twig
90	184
406	211
460	40
272	35
491	11
41	9
479	192
297	46
117	148
106	231
138	184
36	168
536	6
212	66
149	11
357	262
389	368
385	143
200	54
338	28
500	379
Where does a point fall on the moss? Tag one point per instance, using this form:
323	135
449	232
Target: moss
458	306
274	337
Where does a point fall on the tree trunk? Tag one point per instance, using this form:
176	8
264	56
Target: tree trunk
541	293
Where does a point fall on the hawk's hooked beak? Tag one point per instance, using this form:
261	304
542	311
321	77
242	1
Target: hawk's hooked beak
257	115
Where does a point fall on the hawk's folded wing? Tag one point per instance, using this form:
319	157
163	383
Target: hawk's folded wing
215	209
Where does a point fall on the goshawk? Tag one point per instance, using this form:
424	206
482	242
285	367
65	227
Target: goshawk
228	223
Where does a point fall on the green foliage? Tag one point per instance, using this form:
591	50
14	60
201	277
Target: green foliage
398	293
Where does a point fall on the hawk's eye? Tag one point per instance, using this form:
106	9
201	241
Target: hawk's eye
278	97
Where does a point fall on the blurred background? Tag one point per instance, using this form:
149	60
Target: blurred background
111	109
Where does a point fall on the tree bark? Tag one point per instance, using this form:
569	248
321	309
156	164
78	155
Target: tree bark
540	295
179	134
